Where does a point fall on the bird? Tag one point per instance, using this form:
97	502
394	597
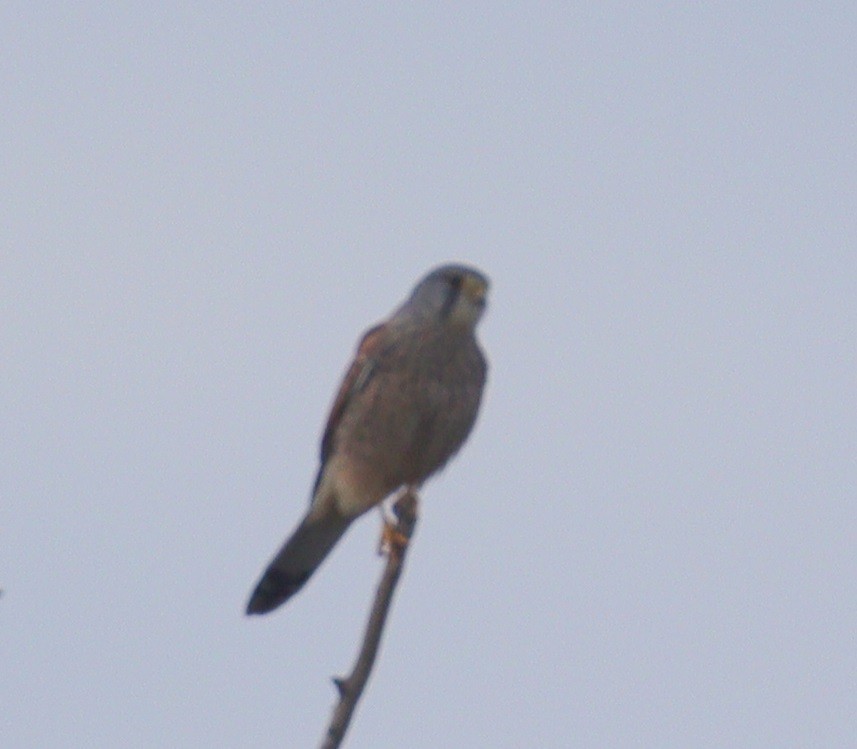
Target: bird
406	405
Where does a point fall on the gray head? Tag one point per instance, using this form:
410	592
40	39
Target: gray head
453	294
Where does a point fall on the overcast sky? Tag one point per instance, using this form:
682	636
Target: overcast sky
649	539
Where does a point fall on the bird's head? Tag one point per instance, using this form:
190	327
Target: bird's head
453	294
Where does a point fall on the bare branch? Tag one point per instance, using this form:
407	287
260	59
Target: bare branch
350	688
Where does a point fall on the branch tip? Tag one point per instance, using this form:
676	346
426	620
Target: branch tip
351	687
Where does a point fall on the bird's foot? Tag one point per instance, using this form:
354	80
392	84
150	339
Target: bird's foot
392	540
398	521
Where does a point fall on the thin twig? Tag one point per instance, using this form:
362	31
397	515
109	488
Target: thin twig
351	687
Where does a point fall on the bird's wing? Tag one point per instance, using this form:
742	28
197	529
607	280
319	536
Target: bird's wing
358	375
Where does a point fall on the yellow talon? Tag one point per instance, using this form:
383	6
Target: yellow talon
392	539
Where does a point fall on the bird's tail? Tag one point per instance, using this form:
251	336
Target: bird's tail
299	557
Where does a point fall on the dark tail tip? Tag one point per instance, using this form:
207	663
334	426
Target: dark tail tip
274	589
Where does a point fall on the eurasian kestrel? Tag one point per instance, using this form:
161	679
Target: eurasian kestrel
405	407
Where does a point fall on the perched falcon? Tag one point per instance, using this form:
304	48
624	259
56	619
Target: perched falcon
407	404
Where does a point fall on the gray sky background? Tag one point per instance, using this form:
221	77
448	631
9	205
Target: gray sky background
650	538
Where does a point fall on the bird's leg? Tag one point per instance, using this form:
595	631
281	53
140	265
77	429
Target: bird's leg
388	521
385	523
394	531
